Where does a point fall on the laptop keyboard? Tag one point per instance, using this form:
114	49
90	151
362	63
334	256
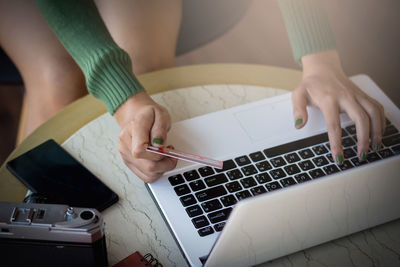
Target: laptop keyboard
209	194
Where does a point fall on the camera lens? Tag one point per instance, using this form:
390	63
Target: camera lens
87	215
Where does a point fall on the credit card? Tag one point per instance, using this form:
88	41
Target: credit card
169	152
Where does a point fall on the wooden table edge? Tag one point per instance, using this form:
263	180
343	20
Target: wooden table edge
82	111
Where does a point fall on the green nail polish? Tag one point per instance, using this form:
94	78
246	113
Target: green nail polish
158	141
339	159
363	156
298	122
377	146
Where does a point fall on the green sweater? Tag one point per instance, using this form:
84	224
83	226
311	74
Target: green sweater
108	69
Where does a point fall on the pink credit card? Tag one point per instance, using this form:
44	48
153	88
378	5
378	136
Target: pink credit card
169	152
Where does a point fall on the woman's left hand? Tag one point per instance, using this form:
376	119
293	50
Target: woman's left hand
326	86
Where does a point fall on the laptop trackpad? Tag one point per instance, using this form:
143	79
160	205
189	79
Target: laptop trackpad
266	121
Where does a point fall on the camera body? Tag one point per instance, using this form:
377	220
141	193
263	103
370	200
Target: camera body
51	235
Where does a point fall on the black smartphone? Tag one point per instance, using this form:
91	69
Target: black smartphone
51	171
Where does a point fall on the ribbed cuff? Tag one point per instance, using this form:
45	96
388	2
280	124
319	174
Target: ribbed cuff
110	78
307	26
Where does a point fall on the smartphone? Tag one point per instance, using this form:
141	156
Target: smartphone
49	170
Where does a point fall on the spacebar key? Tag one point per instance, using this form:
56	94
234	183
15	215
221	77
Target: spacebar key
211	193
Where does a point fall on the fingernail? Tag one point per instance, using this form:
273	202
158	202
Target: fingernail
339	159
158	141
363	156
298	122
377	146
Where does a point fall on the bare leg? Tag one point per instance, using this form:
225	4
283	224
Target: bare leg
146	29
51	77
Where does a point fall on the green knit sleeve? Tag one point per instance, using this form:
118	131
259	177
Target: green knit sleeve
107	68
307	26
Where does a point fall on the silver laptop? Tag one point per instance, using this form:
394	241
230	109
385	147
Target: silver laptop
280	191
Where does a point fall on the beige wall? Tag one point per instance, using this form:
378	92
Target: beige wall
367	34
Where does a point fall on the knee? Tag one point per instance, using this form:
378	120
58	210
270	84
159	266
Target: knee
151	62
62	81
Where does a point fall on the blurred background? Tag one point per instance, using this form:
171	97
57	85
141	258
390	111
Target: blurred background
236	31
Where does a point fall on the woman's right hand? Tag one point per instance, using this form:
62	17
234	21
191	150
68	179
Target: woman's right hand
143	122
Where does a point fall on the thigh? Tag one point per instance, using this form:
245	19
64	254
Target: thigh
146	29
34	48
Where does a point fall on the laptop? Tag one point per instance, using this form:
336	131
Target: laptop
279	191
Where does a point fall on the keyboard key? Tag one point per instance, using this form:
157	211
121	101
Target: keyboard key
351	129
346	142
373	157
242	160
357	162
316	173
273	186
329	157
296	145
277	173
258	190
248	182
331	169
349	153
302	177
211	193
188	200
228	200
319	150
263	166
257	156
176	179
233	187
306	153
234	174
227	165
263	178
320	161
292	157
243	194
386	153
344	133
287	182
292	169
205	231
211	205
216	179
200	222
219	226
219	216
278	162
193	211
249	170
396	149
306	165
391	140
390	130
346	165
206	171
182	189
197	185
191	175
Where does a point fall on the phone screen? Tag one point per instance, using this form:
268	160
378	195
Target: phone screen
48	169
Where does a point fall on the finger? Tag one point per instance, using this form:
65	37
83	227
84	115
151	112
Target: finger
299	102
361	121
150	171
140	135
330	109
160	128
374	112
125	138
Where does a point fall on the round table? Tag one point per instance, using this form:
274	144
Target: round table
134	223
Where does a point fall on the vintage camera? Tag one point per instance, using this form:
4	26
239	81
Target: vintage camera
51	235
